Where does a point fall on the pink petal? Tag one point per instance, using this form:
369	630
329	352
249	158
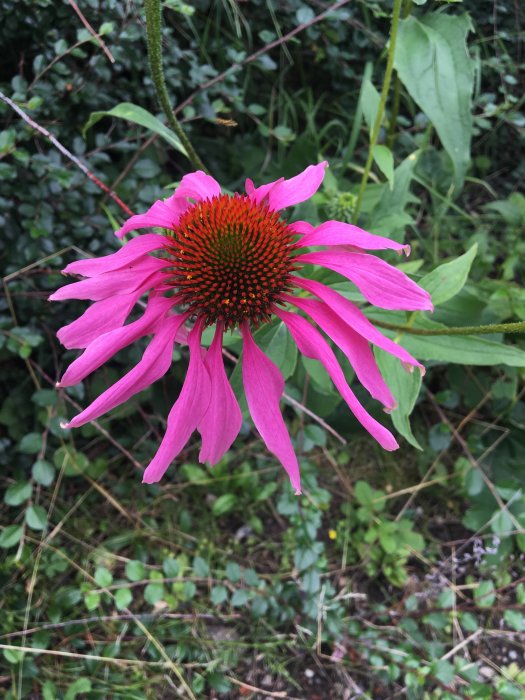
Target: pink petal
165	213
198	186
222	421
187	412
354	346
339	233
101	317
287	193
380	283
312	344
129	253
355	318
108	344
109	284
154	364
264	386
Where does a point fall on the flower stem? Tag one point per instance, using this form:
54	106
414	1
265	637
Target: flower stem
518	327
153	36
382	102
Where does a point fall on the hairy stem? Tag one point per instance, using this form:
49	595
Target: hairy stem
382	102
153	36
518	327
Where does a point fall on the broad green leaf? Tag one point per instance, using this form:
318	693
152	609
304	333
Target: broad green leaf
433	63
448	279
385	162
137	115
457	349
405	388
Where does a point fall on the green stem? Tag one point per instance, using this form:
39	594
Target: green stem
153	36
518	327
382	102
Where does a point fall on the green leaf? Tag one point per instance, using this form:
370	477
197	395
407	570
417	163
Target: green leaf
370	99
103	577
224	504
81	685
279	346
36	517
448	279
218	595
123	597
364	493
92	600
405	387
30	444
239	598
10	536
154	592
18	493
459	349
137	115
484	594
501	523
385	162
432	61
135	570
43	472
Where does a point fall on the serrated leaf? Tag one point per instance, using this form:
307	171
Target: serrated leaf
103	577
448	279
43	472
133	113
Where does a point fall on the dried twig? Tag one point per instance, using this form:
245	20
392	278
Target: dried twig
64	152
92	31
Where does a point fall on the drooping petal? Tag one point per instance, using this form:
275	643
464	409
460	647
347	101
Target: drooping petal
312	344
264	386
222	421
108	344
165	213
380	283
356	319
113	283
129	253
198	186
154	364
287	193
101	317
338	233
354	346
187	411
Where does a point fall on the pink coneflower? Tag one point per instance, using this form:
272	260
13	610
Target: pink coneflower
232	261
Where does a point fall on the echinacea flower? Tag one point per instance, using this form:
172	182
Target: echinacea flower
232	261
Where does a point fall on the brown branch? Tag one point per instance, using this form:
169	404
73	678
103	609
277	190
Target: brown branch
254	56
92	31
65	152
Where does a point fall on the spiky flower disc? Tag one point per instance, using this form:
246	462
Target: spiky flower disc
232	258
